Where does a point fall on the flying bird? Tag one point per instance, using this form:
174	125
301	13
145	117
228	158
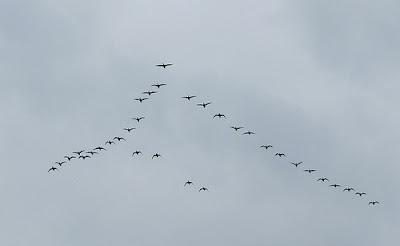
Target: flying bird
83	156
119	138
141	99
189	97
188	183
309	170
203	104
280	154
137	152
156	155
266	146
158	85
361	193
52	169
138	118
69	157
219	115
248	133
60	163
348	189
78	152
99	148
236	128
373	203
129	129
109	142
149	92
335	185
92	152
296	163
323	179
203	189
164	65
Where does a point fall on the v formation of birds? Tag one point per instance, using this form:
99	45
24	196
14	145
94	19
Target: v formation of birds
85	154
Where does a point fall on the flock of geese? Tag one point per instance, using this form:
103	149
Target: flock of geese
84	154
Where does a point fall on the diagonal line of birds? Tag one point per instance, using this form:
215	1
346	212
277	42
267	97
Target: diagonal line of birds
86	154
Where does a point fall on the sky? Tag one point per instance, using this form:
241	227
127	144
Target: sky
316	79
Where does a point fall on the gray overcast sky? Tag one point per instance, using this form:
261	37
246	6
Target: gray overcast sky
317	79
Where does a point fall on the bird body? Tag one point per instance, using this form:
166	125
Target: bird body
109	142
266	146
141	99
158	85
361	193
189	97
129	129
219	115
188	183
348	189
323	179
203	104
84	157
52	169
248	133
335	185
280	154
309	170
203	189
138	119
156	155
69	157
373	203
137	152
60	163
164	65
296	163
236	128
149	92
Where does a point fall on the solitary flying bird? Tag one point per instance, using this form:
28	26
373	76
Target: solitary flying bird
189	97
129	129
219	115
373	203
137	152
119	138
323	179
69	157
203	104
149	92
188	183
164	65
92	152
52	169
156	155
203	188
138	118
335	185
280	154
236	128
99	148
309	170
158	85
78	152
266	146
361	193
296	163
83	156
248	133
60	163
141	99
348	189
109	142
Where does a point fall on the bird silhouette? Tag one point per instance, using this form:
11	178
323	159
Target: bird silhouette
361	193
188	183
280	154
84	157
158	85
296	163
204	105
138	118
69	157
129	129
149	92
373	203
99	148
189	97
335	185
60	163
156	155
266	146
52	169
248	133
323	179
137	152
92	152
119	138
236	128
78	152
141	99
348	189
164	65
219	115
203	189
109	142
309	170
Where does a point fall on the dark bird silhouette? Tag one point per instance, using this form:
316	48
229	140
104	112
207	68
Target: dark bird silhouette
248	133
60	163
373	203
129	129
99	148
52	169
78	152
141	99
119	138
323	179
92	152
266	146
361	193
188	183
189	97
204	105
348	189
69	157
137	152
219	115
109	142
149	92
203	189
84	156
156	155
164	65
236	128
158	85
280	154
309	170
138	118
296	163
335	185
